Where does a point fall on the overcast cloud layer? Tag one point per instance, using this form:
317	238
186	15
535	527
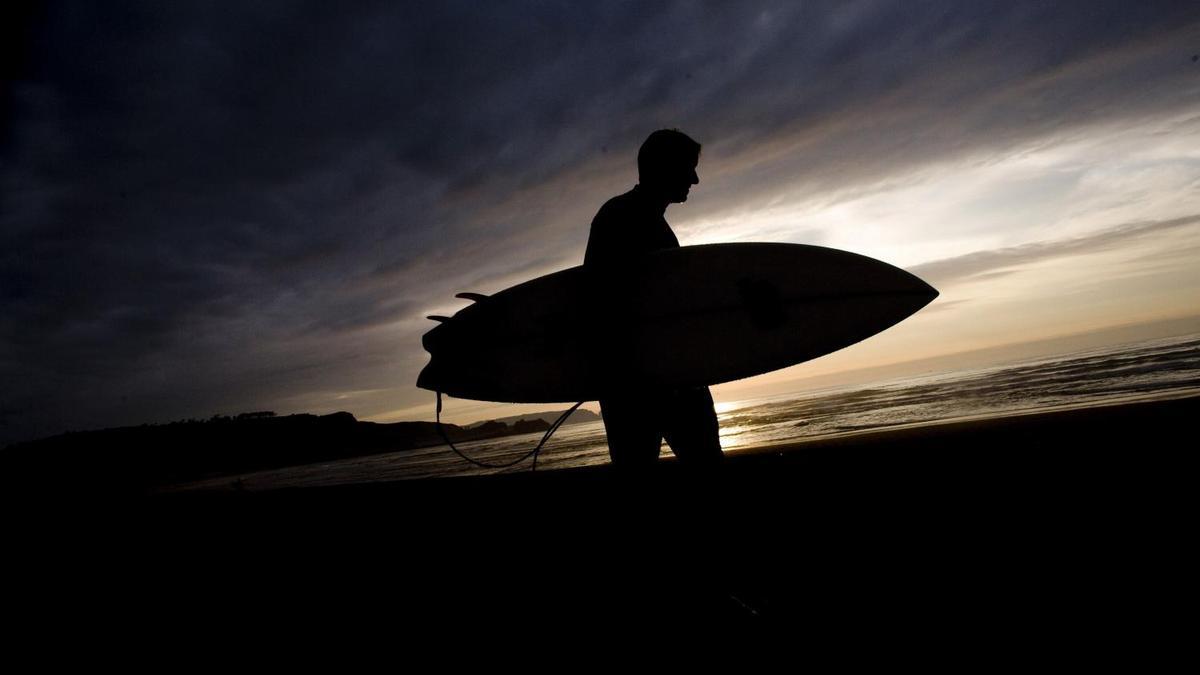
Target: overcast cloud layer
216	208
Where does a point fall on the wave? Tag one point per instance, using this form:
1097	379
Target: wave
1154	368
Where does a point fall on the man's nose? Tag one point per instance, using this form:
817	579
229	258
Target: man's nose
695	178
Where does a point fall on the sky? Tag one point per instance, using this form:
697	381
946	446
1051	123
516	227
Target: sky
211	208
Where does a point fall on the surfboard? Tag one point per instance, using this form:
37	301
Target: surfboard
690	316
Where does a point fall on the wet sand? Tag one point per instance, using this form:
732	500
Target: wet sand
1020	528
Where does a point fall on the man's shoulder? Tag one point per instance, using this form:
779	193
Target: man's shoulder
621	203
625	208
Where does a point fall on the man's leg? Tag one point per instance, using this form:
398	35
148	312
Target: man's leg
703	505
633	438
692	429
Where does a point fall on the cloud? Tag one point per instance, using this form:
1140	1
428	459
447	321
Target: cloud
982	265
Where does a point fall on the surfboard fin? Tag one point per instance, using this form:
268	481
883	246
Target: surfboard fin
473	297
438	317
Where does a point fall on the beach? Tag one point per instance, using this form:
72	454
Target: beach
1053	521
1155	369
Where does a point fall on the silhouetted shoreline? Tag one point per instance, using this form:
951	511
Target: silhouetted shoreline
134	459
1051	518
1069	526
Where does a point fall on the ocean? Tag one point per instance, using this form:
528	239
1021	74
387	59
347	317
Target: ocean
1153	369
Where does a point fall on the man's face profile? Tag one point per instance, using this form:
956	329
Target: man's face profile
667	164
679	181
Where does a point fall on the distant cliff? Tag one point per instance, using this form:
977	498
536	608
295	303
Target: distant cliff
580	416
134	458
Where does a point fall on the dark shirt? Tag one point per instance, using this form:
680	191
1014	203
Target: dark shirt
637	417
626	226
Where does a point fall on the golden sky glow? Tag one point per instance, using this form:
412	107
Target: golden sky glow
1087	232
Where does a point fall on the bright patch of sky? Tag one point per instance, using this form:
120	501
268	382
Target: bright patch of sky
1051	189
1079	233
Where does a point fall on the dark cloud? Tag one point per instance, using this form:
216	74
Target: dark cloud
208	206
1001	262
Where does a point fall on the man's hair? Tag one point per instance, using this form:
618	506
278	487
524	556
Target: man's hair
665	149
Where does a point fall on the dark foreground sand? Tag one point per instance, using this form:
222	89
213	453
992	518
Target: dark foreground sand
1059	528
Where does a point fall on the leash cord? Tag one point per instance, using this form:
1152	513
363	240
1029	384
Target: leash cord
532	453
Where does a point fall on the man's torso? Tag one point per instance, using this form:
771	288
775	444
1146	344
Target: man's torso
627	225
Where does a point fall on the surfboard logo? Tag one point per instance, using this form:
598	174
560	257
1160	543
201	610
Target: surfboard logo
763	302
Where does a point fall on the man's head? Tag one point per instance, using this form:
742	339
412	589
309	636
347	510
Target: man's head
667	164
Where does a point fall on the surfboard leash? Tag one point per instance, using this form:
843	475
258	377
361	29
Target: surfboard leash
532	453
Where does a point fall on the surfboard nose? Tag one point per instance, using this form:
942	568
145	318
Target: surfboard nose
919	287
932	292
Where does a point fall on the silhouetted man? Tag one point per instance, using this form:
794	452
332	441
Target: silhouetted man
636	419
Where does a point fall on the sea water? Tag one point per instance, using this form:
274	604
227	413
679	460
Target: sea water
1154	369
